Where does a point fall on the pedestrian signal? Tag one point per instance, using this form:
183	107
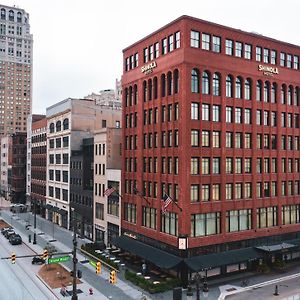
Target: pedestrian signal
13	258
113	277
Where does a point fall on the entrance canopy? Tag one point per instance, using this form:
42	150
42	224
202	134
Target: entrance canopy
158	257
276	248
210	261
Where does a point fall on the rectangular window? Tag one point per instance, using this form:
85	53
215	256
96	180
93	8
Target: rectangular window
273	57
205	165
238	49
296	62
205	224
266	55
282	59
238	220
228	114
205	112
195	166
194	111
195	138
177	39
229	47
169	223
216	113
205	41
216	139
195	39
289	60
216	44
195	193
170	43
205	138
248	51
164	44
149	215
258	53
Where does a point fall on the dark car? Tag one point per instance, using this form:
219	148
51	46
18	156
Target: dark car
36	260
18	207
8	233
15	239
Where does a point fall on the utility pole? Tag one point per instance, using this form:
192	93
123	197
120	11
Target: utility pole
75	260
34	222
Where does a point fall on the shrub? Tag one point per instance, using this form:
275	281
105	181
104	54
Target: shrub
148	285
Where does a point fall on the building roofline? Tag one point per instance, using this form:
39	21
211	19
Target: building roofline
186	17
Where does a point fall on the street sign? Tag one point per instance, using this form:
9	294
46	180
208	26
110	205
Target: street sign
93	263
57	260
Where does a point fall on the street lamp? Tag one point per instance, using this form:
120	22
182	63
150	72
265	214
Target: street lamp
34	222
197	279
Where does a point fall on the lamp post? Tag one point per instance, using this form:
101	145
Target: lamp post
34	222
75	260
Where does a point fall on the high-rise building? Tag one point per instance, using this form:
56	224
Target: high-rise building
211	116
15	69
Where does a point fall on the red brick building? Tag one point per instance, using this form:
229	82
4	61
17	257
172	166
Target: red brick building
211	118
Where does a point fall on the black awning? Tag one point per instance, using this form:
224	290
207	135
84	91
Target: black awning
156	256
62	212
209	261
52	208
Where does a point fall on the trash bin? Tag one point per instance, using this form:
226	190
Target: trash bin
29	238
177	293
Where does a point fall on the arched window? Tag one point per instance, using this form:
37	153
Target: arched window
51	128
238	88
247	91
266	91
66	124
258	90
176	81
229	86
296	96
163	85
150	89
216	84
195	81
205	83
58	126
169	79
145	90
283	94
155	93
3	14
273	93
126	97
11	15
135	94
19	17
130	95
290	96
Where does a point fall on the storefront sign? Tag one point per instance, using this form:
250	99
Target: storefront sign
147	69
268	71
131	235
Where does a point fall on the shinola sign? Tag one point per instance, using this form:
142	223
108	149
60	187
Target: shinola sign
269	71
147	69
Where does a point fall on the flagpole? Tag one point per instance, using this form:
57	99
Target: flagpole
173	201
140	195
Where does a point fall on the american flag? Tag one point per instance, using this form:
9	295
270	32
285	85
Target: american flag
109	191
166	202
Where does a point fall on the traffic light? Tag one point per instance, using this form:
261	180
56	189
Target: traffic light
71	273
113	277
98	267
13	258
45	254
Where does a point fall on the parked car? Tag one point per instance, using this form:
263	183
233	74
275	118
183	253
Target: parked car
15	239
18	207
4	229
37	260
8	233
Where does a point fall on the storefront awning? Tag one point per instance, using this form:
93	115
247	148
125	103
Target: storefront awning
276	248
156	256
210	261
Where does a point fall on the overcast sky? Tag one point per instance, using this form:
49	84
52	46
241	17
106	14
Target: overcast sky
78	43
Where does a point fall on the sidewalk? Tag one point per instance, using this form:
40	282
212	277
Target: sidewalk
126	291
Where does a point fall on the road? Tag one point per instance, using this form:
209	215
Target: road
18	281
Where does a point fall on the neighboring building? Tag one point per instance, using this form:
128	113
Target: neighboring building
109	98
68	123
15	69
107	174
18	168
211	115
36	163
81	187
6	162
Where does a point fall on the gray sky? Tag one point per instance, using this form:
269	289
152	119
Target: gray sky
78	44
